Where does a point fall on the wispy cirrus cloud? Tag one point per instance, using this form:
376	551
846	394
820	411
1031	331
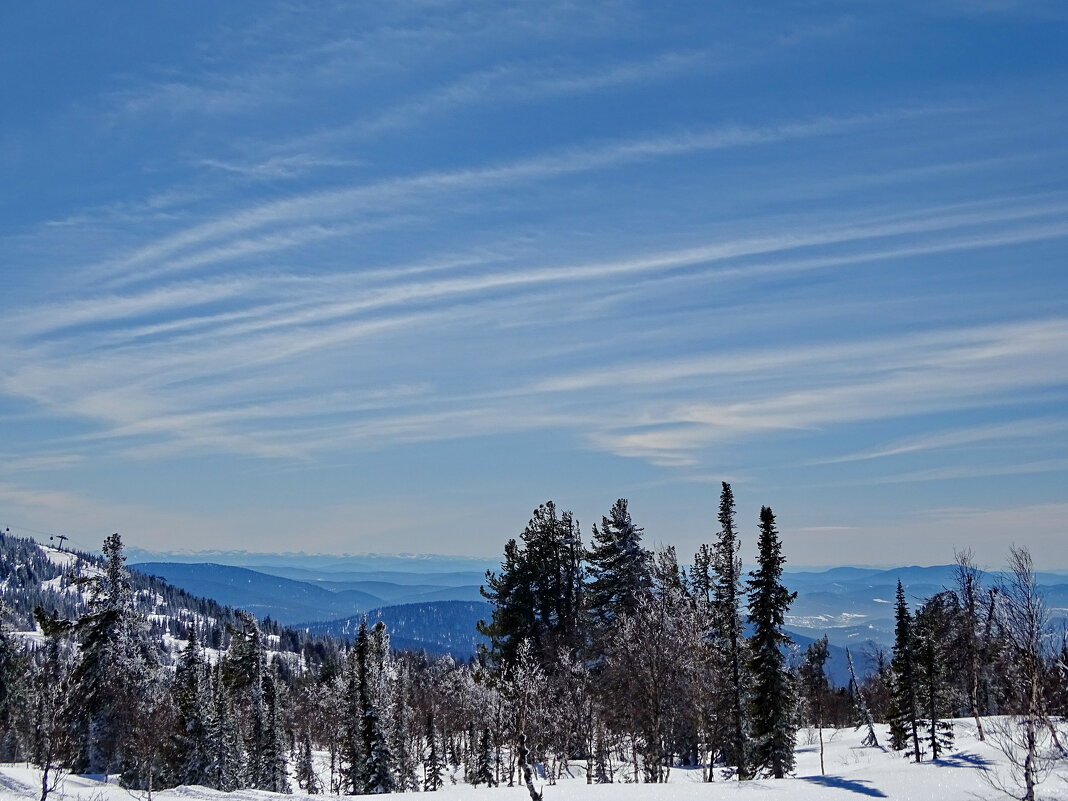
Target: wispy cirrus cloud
515	83
996	432
317	207
905	376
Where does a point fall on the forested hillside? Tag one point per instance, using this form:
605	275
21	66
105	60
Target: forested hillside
439	628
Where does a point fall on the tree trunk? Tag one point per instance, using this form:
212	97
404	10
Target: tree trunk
528	777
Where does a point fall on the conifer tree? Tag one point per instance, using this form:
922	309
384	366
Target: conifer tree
352	753
969	594
14	669
619	567
904	728
193	703
727	624
400	735
774	695
482	767
226	768
377	775
115	666
538	594
273	768
933	626
433	765
306	777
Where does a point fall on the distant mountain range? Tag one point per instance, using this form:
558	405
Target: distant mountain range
347	563
433	603
315	596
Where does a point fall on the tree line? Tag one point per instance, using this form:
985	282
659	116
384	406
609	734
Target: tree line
609	660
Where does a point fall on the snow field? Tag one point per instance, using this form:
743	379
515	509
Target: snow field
853	772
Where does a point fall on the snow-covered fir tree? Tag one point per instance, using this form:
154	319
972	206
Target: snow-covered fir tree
226	768
14	670
377	774
115	665
484	761
192	698
273	769
402	731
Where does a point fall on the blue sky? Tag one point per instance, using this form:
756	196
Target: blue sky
385	276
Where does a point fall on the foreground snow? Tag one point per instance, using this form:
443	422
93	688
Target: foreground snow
853	772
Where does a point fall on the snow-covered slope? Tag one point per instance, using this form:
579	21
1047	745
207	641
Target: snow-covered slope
852	772
33	575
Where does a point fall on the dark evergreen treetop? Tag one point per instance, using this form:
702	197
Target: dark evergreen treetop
538	594
727	570
619	567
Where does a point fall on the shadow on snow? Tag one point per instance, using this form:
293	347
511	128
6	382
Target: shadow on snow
852	785
963	760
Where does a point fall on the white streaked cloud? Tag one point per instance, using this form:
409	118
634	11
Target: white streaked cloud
968	368
331	204
996	432
517	83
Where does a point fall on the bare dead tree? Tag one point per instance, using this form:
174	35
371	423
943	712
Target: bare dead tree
871	739
1029	739
969	593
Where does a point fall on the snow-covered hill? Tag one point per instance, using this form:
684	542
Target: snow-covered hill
33	576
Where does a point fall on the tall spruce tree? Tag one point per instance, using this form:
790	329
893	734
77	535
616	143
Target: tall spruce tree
904	727
398	704
774	694
619	567
377	775
727	624
351	749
